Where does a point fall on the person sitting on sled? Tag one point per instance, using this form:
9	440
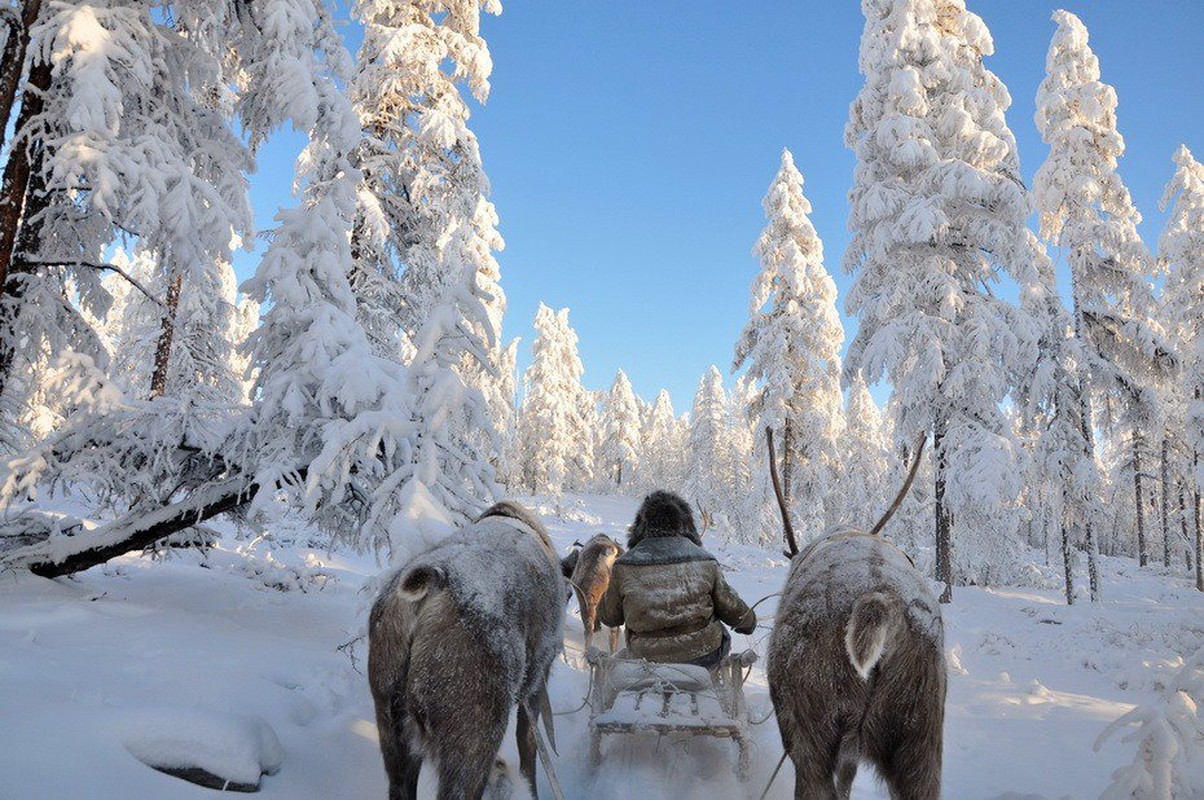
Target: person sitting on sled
669	592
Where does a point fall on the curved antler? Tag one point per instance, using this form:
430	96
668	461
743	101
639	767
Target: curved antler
911	476
777	490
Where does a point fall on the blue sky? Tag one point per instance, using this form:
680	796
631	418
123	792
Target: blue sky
629	145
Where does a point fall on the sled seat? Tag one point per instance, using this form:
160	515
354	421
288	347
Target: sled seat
632	695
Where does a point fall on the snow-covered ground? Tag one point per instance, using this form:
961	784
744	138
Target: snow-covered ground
235	658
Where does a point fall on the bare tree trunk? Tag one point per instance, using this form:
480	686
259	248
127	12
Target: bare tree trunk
1195	462
1045	532
22	173
167	332
1187	548
1139	499
787	460
1078	260
1068	562
1166	506
15	184
13	61
944	561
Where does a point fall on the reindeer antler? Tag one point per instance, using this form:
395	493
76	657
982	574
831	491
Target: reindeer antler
911	476
777	490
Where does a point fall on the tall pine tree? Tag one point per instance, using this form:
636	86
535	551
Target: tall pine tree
791	347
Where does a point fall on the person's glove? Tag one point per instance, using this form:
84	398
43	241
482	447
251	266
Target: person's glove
750	627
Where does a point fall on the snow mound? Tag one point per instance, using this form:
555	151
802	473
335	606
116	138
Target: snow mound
207	747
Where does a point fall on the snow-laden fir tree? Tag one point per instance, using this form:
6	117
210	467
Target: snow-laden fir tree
383	447
743	503
555	454
207	362
708	452
1064	487
424	212
132	140
619	454
938	216
1086	209
865	458
1182	249
421	165
791	347
662	463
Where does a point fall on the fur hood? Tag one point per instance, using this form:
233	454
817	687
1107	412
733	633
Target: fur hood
663	514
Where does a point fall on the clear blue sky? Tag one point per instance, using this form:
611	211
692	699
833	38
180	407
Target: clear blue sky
629	145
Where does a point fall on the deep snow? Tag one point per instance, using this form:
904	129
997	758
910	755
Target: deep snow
239	649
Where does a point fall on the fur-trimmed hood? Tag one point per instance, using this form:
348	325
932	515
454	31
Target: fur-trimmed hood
663	514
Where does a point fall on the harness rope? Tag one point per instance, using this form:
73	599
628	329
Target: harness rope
774	776
541	747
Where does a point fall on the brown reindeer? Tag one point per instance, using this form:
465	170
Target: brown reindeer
856	664
589	577
457	638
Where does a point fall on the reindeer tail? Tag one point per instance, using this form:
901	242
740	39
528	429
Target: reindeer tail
876	618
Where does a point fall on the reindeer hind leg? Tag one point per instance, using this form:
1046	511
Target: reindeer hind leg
402	762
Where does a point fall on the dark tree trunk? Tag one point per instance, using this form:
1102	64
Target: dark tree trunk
13	61
18	201
1079	258
15	184
1139	499
944	544
167	330
1068	562
1195	462
143	528
1166	506
1183	525
787	460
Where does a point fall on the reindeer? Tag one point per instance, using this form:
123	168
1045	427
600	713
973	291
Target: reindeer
588	573
856	663
457	638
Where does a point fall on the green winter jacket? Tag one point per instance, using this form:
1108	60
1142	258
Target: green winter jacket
671	595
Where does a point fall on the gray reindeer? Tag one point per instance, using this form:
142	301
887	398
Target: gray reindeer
856	664
456	639
588	570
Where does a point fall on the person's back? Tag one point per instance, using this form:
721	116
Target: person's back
670	592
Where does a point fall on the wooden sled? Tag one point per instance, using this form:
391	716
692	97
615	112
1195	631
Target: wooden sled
632	695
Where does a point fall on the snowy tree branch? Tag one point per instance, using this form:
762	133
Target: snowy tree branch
98	267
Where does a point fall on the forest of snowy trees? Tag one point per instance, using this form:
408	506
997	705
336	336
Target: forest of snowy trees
361	378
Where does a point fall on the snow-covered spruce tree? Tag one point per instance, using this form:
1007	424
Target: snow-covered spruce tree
1086	209
619	455
743	504
1067	490
207	363
662	463
791	347
387	447
555	452
708	453
405	90
131	141
865	454
1182	248
938	215
424	214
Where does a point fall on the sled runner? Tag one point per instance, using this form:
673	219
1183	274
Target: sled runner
631	695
